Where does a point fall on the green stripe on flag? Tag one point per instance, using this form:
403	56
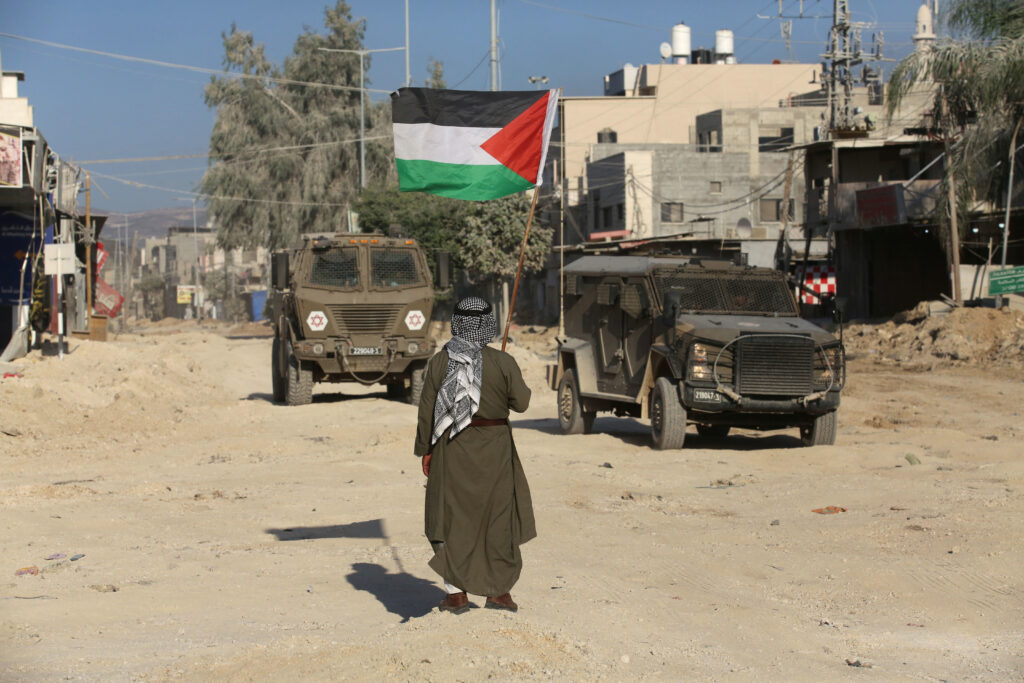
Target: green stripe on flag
458	181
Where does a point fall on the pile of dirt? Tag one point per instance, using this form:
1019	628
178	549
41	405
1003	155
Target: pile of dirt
965	336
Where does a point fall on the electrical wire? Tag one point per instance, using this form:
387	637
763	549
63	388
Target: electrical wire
197	69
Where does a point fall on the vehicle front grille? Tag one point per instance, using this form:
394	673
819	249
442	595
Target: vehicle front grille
364	318
770	365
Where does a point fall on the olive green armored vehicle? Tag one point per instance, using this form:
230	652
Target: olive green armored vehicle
351	307
685	341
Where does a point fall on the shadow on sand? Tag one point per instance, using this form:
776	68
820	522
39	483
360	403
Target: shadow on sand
401	593
638	433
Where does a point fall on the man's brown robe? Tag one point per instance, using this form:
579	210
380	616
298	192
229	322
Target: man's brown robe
478	507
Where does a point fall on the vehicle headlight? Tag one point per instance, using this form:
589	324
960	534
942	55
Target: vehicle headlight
413	347
828	366
701	367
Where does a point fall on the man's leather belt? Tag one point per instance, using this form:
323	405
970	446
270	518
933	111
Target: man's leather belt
484	422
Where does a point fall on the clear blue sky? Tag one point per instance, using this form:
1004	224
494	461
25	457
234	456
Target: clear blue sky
91	107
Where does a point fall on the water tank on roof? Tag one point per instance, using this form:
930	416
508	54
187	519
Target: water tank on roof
724	47
607	135
681	43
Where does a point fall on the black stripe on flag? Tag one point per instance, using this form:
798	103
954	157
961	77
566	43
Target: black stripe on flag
468	108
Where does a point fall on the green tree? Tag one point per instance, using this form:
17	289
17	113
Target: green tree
284	151
435	74
152	287
483	238
978	97
493	237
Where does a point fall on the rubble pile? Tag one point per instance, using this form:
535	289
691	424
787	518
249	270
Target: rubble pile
965	336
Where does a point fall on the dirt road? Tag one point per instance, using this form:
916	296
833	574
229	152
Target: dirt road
226	538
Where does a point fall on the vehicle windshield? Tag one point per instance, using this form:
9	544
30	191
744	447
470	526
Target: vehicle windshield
732	293
393	268
337	267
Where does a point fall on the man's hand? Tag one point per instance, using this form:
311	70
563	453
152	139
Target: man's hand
426	465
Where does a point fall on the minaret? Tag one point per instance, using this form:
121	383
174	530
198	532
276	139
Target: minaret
925	35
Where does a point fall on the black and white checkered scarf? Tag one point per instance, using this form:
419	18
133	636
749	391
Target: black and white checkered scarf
473	327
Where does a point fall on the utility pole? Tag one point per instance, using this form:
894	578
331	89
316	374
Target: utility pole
954	229
362	98
844	54
494	45
408	78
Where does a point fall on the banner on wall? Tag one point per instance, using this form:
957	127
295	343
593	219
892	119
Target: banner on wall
10	157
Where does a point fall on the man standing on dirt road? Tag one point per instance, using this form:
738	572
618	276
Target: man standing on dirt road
478	507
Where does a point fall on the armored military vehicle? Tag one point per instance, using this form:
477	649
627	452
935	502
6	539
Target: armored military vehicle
350	307
689	341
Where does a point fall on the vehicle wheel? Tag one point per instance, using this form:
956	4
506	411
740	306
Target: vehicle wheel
277	372
415	385
397	390
571	416
668	416
298	381
713	431
821	432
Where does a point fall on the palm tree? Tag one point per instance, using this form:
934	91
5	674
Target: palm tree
978	80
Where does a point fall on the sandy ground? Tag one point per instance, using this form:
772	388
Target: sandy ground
223	537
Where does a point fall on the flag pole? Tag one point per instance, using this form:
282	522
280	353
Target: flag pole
519	270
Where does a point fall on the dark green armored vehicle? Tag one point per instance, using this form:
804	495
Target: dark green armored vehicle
688	341
350	307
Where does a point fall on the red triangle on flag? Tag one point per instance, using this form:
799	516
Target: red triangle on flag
519	144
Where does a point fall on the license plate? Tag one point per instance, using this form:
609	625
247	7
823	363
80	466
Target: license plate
706	395
364	351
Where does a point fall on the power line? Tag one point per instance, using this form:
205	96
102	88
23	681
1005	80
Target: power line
245	152
186	67
595	17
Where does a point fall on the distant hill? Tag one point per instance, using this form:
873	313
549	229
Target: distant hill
151	223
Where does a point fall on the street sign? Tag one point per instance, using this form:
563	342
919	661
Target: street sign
63	252
185	293
1006	281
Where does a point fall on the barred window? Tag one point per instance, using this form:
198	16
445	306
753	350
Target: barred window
671	212
336	268
393	267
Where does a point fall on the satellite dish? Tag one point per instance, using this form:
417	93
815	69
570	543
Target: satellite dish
665	50
743	228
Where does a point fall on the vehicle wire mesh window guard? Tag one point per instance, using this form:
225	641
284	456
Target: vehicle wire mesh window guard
699	293
336	268
758	295
393	267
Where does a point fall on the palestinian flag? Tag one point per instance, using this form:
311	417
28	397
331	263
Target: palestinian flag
470	144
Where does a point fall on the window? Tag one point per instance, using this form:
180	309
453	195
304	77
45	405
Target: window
716	187
671	212
393	267
774	139
771	210
336	268
621	211
607	217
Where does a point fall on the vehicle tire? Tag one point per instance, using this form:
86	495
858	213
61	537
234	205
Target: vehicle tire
415	385
276	371
713	431
821	432
668	416
298	381
571	416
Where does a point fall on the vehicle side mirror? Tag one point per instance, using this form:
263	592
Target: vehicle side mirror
279	270
443	273
670	307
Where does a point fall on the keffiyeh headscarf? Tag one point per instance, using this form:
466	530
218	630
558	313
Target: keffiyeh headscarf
473	327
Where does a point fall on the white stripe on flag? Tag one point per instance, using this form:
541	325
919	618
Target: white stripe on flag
548	124
444	144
